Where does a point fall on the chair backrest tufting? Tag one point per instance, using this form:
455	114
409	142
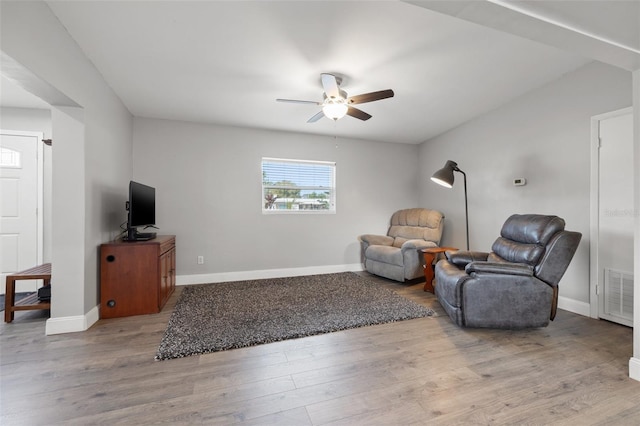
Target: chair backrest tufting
416	223
537	240
524	237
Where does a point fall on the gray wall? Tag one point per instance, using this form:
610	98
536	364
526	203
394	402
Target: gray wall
542	136
99	165
208	188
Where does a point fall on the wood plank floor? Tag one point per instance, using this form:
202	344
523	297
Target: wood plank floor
423	371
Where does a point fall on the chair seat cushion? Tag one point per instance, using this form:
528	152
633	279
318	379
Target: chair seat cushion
386	254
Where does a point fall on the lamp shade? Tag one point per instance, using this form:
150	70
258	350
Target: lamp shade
444	176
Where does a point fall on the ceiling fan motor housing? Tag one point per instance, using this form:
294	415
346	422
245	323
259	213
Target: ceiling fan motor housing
343	95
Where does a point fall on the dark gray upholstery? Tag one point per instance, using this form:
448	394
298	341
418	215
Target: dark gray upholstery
396	255
514	286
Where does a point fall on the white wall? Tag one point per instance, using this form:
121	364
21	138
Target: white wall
27	119
208	189
35	120
542	136
102	154
634	362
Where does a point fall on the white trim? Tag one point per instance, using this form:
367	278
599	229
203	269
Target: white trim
72	324
40	216
532	14
575	306
265	273
39	187
332	199
594	206
634	368
594	203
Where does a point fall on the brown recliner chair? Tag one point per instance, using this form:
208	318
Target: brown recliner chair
514	286
397	255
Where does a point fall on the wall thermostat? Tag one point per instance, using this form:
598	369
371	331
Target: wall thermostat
519	181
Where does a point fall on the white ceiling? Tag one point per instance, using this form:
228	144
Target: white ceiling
226	62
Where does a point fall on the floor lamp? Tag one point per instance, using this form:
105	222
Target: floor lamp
444	177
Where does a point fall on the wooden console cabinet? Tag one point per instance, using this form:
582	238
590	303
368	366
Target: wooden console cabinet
138	277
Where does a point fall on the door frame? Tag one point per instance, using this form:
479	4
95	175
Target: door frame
39	185
594	206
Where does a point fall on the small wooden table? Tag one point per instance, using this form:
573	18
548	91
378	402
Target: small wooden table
429	256
31	302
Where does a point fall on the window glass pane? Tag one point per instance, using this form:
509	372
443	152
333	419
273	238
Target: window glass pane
9	158
298	186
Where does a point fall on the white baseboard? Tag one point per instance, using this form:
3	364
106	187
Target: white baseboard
265	273
575	306
634	368
72	324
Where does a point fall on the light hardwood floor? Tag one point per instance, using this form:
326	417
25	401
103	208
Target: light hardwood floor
423	371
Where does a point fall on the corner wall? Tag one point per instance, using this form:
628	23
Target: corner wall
103	153
634	362
208	193
543	137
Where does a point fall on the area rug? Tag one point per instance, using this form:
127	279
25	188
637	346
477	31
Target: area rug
217	317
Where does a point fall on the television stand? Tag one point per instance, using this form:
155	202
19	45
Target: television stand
136	277
139	236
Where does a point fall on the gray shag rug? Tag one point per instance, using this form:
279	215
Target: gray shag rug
217	317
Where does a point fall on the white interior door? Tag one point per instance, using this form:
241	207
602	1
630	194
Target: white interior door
20	200
615	218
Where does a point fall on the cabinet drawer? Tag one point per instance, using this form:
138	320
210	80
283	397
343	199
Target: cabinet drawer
167	245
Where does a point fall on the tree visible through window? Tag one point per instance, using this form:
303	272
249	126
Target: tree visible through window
298	186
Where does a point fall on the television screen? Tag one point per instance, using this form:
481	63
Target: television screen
142	205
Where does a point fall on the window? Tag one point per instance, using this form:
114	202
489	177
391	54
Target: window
298	186
9	158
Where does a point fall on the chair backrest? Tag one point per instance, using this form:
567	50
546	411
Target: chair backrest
417	223
539	241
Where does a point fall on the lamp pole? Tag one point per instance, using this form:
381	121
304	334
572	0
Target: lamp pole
466	207
444	177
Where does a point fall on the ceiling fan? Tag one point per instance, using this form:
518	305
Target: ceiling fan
336	104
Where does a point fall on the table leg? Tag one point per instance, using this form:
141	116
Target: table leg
9	299
428	271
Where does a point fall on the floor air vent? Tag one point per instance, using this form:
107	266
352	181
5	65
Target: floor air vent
618	293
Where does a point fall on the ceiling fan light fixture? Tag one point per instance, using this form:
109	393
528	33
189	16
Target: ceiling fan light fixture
335	109
336	103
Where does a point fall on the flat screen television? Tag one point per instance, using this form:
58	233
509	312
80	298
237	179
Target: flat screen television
142	211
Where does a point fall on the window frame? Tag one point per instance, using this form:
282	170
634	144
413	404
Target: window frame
332	189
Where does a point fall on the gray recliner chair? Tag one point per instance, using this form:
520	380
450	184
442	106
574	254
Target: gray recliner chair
514	286
397	255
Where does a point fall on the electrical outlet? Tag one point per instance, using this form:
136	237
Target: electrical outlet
200	260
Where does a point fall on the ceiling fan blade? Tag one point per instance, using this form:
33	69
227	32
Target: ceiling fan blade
370	97
296	101
316	117
357	113
330	85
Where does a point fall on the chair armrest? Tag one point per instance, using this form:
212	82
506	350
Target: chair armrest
376	240
500	268
462	258
417	244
